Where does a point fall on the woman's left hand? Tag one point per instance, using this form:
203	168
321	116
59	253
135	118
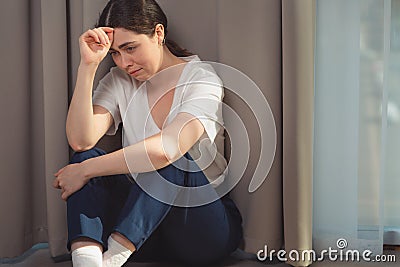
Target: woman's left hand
70	179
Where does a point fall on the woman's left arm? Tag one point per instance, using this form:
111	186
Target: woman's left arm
154	152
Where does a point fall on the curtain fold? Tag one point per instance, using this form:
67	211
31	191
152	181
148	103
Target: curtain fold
35	147
53	85
298	24
17	226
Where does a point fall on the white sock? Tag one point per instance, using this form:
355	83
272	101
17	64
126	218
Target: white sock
116	255
89	256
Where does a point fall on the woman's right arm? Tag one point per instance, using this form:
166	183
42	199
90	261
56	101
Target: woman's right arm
86	123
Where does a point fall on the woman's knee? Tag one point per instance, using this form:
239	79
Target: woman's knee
184	172
84	155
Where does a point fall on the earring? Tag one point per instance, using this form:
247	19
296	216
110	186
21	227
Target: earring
163	42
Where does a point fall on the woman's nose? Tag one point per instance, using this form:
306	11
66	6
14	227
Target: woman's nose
126	61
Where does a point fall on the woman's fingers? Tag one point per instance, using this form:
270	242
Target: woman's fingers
64	195
66	192
59	171
55	183
110	36
109	32
91	35
107	29
102	36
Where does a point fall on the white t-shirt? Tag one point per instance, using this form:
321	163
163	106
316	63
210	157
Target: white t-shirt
199	92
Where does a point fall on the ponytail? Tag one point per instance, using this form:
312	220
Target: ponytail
176	49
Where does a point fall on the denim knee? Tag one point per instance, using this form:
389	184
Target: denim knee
84	155
184	172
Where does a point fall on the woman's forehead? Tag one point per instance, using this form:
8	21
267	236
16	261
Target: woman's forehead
122	36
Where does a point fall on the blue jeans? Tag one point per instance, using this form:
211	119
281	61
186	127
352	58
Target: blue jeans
200	235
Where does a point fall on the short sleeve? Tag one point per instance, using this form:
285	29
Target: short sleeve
202	98
105	95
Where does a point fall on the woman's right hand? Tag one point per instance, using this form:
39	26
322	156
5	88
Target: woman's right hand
94	44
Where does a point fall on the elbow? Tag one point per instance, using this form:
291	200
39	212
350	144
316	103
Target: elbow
161	153
77	147
79	144
170	149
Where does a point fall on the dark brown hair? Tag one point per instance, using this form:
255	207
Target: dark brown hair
139	16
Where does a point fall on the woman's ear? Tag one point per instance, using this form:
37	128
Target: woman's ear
159	33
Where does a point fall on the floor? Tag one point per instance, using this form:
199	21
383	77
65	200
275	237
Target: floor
40	257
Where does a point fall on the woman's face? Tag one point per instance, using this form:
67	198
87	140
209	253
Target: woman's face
137	54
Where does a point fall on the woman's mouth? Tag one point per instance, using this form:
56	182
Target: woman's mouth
135	71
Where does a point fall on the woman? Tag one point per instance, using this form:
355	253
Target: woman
170	103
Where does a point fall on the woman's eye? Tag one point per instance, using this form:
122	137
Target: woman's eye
113	53
130	48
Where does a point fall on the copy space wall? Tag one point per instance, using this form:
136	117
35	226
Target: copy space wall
247	36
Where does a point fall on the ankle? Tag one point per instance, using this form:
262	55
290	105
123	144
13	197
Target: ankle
88	256
116	254
122	240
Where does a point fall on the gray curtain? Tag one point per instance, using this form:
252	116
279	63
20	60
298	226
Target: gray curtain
250	41
33	107
270	41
